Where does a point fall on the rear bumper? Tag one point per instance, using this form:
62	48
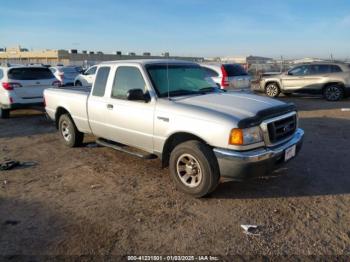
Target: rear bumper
237	165
21	106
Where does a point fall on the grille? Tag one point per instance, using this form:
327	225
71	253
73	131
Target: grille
282	129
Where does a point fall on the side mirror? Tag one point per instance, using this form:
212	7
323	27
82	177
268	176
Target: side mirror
137	95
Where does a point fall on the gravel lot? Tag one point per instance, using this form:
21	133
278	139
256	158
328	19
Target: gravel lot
94	200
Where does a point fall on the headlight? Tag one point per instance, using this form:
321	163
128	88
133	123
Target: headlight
246	136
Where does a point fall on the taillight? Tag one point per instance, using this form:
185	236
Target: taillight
56	83
10	86
61	75
224	82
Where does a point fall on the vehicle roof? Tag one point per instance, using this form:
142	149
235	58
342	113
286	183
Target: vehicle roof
217	64
322	63
344	66
148	62
20	66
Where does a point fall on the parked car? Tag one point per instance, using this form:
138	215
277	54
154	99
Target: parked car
23	86
166	108
86	78
65	74
332	80
228	76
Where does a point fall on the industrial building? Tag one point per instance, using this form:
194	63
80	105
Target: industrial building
20	55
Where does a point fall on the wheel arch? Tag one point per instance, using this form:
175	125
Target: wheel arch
272	82
338	83
60	111
174	140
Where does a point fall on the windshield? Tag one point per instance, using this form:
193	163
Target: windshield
179	80
234	70
30	73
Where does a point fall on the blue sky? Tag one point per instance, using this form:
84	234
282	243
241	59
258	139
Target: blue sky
292	28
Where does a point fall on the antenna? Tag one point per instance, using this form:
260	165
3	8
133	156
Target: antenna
167	78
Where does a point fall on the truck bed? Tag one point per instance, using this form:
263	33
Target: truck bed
71	99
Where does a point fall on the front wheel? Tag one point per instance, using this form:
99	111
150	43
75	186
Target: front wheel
272	90
78	83
194	169
333	93
4	113
72	137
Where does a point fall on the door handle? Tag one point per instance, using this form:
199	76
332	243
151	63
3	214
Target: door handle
109	106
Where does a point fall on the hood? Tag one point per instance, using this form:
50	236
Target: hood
245	108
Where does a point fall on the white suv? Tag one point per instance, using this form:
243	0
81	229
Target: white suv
86	78
23	87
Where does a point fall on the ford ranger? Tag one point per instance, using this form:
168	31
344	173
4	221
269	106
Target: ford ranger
167	109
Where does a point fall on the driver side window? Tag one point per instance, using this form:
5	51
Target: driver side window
91	71
300	71
127	78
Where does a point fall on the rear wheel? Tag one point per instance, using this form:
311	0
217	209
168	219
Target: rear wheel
72	137
78	83
194	169
333	93
4	113
272	90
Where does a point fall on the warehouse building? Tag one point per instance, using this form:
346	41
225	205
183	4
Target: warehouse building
20	55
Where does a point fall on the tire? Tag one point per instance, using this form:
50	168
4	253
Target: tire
4	113
333	93
78	83
272	90
72	137
194	156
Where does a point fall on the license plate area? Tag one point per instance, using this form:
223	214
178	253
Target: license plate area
289	153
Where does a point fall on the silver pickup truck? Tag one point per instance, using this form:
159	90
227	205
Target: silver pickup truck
167	108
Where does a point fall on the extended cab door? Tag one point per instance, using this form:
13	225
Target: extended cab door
129	122
98	102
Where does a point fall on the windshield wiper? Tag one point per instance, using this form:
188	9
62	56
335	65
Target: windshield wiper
180	92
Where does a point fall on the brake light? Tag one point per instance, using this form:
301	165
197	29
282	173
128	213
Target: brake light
56	83
10	86
61	75
224	82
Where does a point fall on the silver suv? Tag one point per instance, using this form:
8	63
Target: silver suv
228	76
332	80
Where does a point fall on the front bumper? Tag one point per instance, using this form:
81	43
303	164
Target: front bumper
238	165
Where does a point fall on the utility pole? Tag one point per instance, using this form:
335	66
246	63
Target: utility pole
281	64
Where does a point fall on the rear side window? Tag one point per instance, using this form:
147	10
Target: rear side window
1	74
210	72
127	78
30	73
234	70
101	81
335	69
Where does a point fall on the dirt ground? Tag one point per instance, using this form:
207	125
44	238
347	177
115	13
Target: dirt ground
96	201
